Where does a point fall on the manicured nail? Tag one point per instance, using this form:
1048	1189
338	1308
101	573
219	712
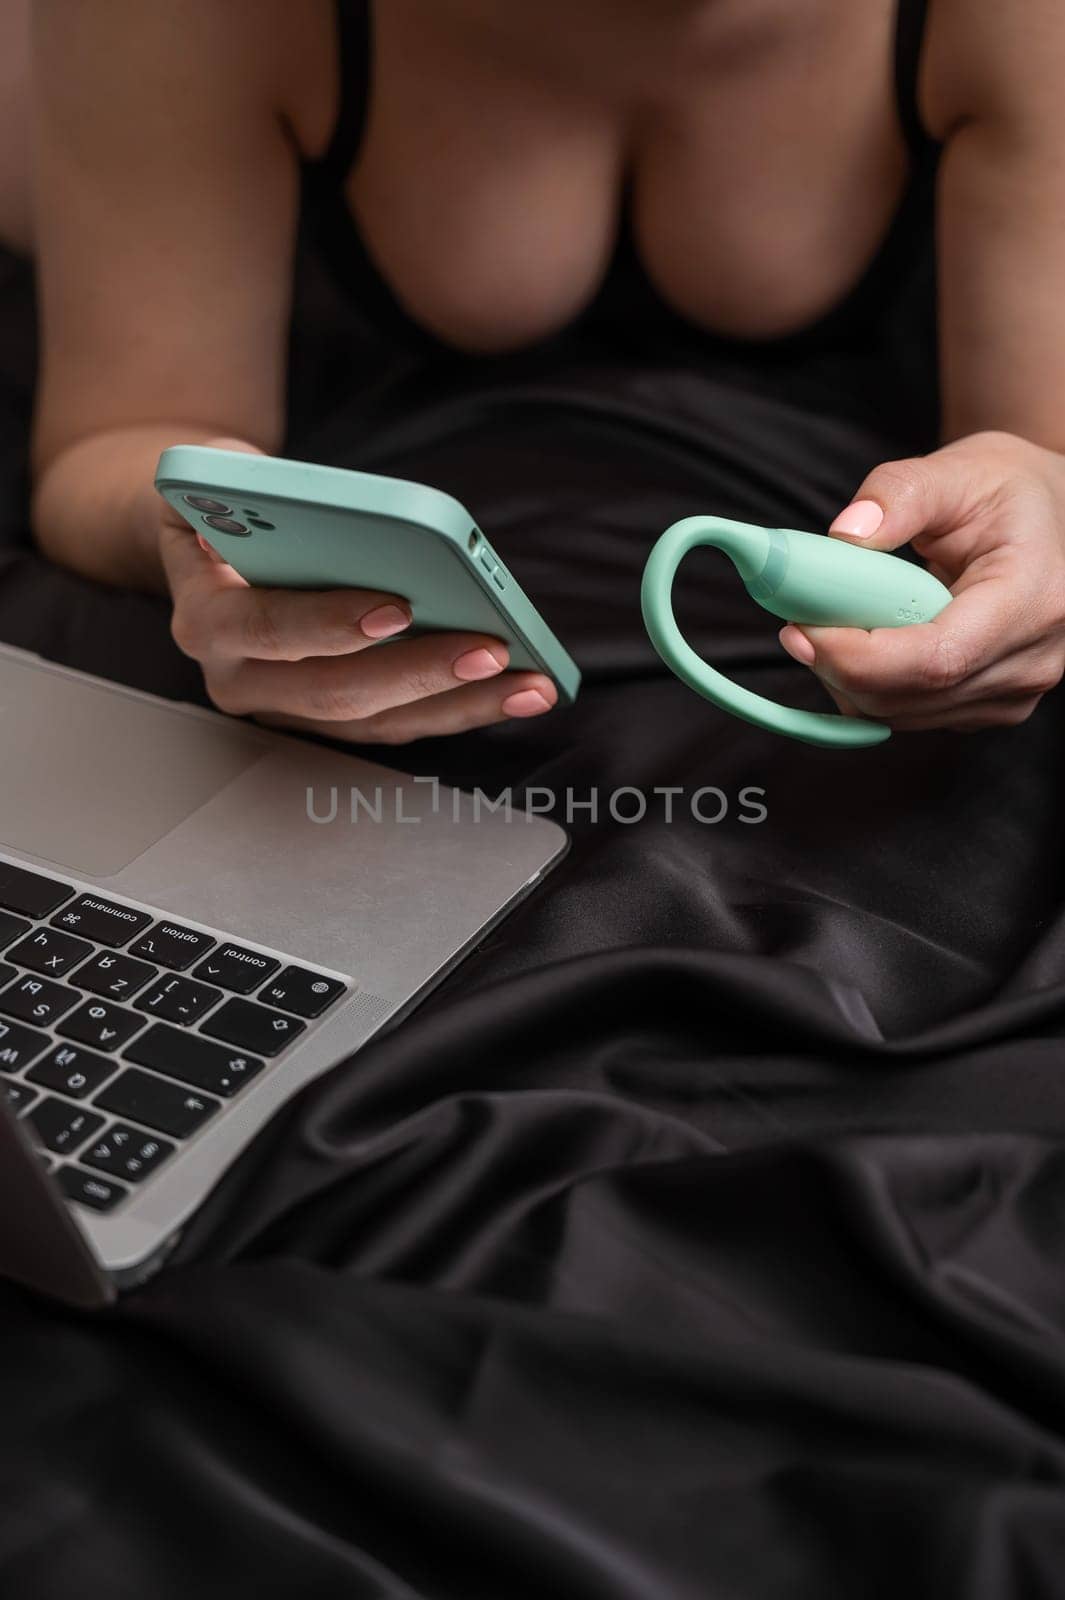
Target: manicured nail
526	703
209	549
383	622
476	664
797	645
861	520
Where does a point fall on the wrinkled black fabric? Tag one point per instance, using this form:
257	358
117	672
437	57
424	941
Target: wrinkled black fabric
703	1235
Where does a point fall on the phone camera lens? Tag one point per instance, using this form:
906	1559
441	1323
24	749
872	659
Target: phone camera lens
200	502
226	525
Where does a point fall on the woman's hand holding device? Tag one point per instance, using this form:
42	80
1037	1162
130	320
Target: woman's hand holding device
301	657
987	513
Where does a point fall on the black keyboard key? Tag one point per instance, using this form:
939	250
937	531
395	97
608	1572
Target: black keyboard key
308	994
19	1045
38	1000
172	945
102	920
11	927
6	973
194	1060
18	1096
236	968
62	1127
178	999
145	1098
73	1070
100	1194
117	976
49	952
128	1153
29	892
252	1027
101	1024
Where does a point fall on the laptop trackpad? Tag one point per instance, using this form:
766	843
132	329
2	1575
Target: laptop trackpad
91	776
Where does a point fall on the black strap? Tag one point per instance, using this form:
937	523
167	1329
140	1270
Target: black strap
354	72
909	38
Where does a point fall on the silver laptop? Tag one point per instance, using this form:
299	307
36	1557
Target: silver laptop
198	917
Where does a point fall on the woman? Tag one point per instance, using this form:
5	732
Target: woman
488	155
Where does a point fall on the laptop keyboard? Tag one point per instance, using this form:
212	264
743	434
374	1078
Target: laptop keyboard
123	1033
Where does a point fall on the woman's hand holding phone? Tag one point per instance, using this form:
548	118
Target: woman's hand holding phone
297	658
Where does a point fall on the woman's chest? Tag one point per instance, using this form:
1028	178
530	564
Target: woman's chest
757	143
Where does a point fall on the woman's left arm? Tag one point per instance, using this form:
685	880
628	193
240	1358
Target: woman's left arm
987	511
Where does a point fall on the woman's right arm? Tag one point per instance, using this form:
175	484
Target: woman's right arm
165	198
166	189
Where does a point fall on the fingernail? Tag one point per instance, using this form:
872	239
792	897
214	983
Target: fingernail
209	549
383	622
797	645
476	664
526	703
861	520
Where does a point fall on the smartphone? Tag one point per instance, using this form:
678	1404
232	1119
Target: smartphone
291	525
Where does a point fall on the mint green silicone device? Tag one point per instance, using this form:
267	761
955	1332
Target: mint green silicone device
292	525
799	577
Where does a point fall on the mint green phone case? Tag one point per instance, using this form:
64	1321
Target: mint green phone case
327	528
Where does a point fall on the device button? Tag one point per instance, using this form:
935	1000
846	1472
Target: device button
215	1067
102	920
29	892
178	999
62	1127
115	975
172	945
158	1104
10	928
308	994
101	1024
236	968
129	1153
18	1096
252	1027
19	1045
50	952
73	1071
98	1193
38	1000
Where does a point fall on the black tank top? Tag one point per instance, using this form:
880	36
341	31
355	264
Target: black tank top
626	299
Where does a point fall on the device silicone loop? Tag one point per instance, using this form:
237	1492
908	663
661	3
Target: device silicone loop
656	601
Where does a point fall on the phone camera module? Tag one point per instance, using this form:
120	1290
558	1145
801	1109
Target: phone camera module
226	525
200	502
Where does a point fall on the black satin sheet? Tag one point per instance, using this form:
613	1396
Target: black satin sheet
703	1236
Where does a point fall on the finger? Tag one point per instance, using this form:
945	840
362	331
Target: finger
922	495
969	635
846	707
181	549
1002	712
989	712
475	705
1031	672
353	689
224	624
